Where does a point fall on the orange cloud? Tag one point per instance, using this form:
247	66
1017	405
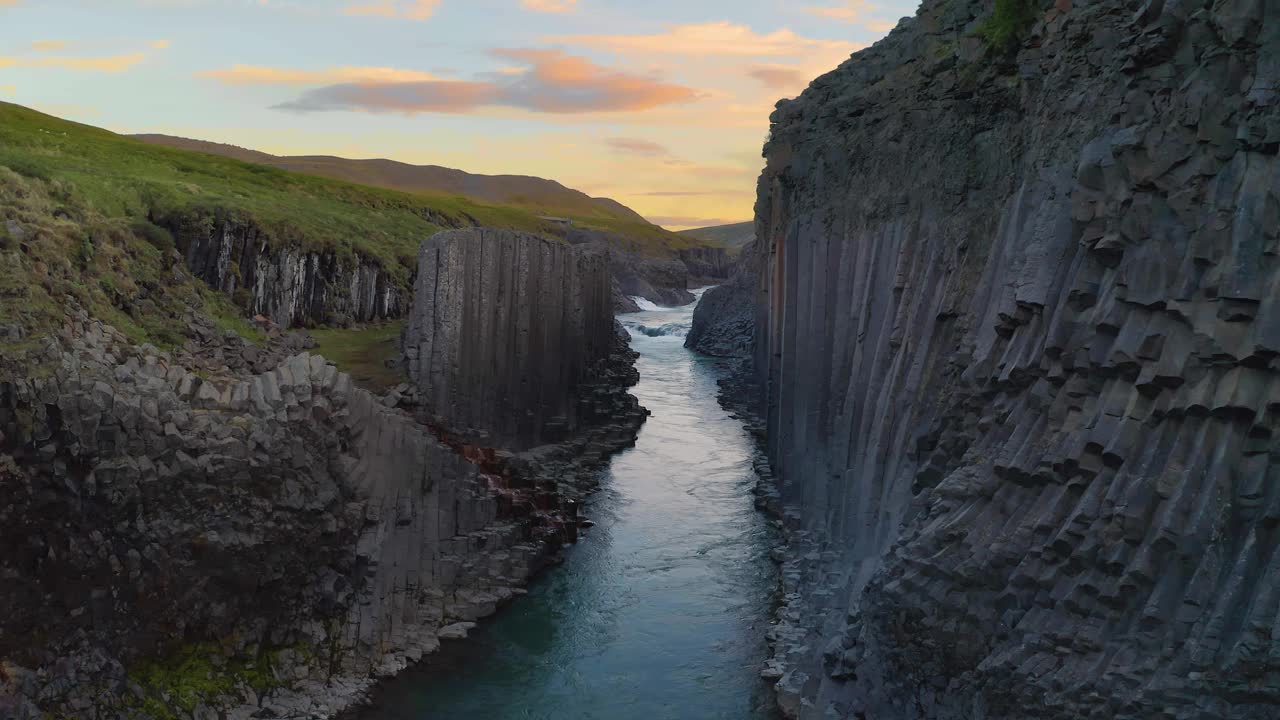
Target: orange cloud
851	11
258	75
440	96
716	38
553	82
779	77
110	64
550	6
48	45
637	146
410	9
160	44
862	12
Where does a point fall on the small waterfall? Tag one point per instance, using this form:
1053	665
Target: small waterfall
675	330
645	305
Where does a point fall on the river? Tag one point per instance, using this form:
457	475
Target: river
660	611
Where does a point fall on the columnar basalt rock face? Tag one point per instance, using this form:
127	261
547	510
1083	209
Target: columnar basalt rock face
147	507
707	265
505	329
285	536
1023	407
290	286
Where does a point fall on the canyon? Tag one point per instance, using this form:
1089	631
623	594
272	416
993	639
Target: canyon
1010	426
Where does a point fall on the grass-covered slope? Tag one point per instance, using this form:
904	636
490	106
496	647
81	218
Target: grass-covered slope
538	195
737	236
117	176
57	253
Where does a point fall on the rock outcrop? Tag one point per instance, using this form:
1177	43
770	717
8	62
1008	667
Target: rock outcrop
707	265
224	544
506	327
660	281
288	284
724	321
1023	407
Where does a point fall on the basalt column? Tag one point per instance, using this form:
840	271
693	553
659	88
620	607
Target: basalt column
505	331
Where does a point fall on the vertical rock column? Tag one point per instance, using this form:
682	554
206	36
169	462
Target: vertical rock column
505	329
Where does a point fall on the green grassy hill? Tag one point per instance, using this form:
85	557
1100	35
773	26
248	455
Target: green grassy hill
738	235
538	195
77	205
118	176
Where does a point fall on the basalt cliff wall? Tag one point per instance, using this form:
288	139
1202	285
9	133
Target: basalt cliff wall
708	265
207	544
287	283
505	328
296	286
1023	407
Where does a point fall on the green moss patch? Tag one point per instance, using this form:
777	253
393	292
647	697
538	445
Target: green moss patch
363	353
200	674
1009	22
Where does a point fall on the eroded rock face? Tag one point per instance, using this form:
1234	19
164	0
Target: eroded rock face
707	265
1023	406
662	282
505	327
282	528
724	321
289	285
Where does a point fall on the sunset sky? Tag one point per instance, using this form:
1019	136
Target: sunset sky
661	104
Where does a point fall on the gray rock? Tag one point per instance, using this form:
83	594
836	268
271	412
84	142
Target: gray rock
663	282
456	631
504	330
1018	324
724	321
289	286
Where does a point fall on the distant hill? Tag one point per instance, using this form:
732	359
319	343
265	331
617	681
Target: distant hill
533	193
738	235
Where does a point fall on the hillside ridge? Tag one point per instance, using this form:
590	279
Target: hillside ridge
735	235
527	190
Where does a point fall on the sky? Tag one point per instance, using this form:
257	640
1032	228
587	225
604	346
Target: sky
660	104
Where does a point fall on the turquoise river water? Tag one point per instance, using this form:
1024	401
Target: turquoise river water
660	611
